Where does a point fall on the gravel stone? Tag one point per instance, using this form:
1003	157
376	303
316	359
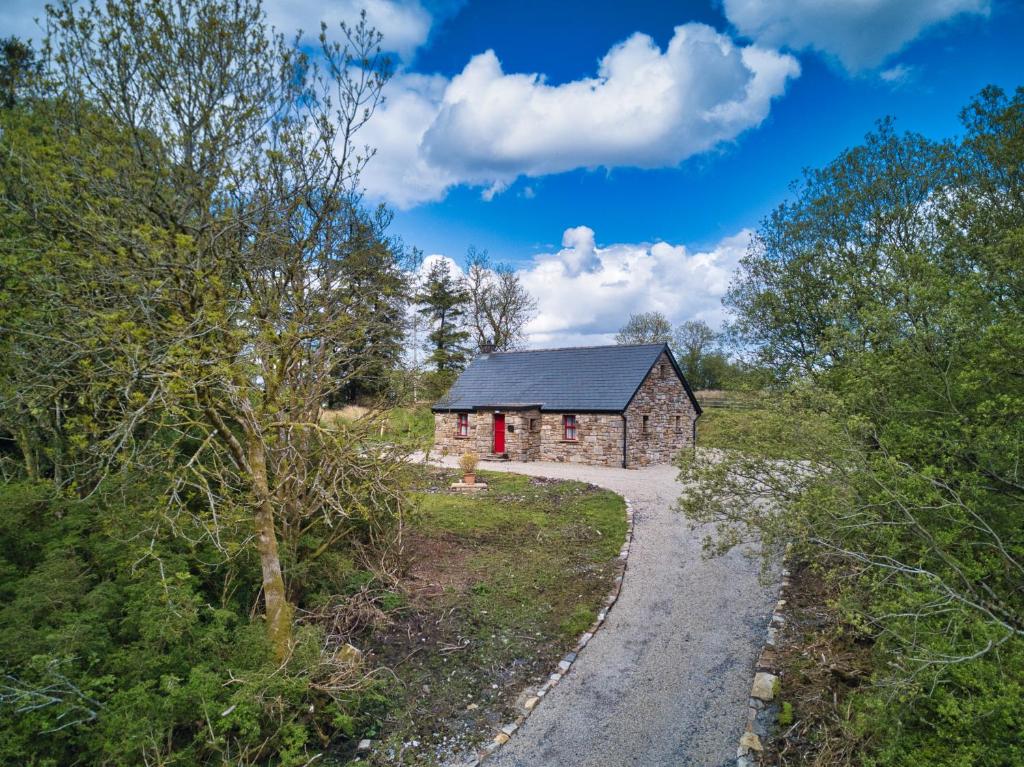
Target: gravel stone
667	678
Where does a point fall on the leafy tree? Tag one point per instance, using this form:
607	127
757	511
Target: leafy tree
645	328
499	305
697	348
193	212
18	68
120	644
888	294
444	301
374	290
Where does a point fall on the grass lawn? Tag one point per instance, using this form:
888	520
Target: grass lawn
499	586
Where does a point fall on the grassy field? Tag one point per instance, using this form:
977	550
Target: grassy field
412	426
499	587
762	425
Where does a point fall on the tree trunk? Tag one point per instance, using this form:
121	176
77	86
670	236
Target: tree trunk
28	452
279	612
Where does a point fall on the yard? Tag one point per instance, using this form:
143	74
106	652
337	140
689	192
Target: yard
498	587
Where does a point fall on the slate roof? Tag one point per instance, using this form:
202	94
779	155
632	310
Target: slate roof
584	379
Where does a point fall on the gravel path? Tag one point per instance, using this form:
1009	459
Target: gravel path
666	679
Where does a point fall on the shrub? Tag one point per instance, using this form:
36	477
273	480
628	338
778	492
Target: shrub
468	462
144	646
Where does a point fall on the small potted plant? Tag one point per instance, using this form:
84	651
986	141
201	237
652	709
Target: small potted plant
468	462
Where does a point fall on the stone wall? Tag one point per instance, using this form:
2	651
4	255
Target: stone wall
447	442
599	439
670	418
521	444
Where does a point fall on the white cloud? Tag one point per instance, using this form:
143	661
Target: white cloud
585	293
898	75
860	33
645	108
405	24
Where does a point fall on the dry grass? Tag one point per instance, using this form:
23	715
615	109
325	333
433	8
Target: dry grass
347	413
821	663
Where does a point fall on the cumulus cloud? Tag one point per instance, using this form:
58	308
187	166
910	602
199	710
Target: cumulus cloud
585	293
645	107
859	33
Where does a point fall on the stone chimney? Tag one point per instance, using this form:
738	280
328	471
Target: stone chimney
486	348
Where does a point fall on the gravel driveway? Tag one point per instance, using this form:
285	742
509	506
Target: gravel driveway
666	679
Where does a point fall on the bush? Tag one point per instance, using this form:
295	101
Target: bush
119	646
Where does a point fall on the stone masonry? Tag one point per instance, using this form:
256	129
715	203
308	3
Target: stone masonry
599	439
522	434
659	422
670	418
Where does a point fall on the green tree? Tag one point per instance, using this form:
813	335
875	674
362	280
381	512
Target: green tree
698	349
444	300
374	290
888	295
645	328
194	215
18	70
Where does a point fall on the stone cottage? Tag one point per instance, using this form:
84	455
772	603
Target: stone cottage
606	405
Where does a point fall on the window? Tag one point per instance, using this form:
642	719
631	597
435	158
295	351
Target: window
534	424
569	427
647	424
661	371
679	423
462	428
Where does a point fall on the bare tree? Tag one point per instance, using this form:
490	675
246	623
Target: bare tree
645	328
500	307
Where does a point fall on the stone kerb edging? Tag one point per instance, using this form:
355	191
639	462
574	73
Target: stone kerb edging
531	697
762	708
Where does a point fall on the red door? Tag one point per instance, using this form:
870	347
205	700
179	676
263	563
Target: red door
499	433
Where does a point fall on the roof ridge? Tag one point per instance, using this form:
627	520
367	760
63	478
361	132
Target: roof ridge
573	348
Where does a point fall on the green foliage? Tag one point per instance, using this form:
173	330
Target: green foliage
888	296
774	425
444	301
785	717
121	644
697	348
412	426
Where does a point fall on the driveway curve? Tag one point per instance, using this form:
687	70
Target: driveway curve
666	679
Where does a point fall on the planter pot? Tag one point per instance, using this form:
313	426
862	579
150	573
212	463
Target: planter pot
468	479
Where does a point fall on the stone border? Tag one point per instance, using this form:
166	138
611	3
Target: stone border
762	710
532	697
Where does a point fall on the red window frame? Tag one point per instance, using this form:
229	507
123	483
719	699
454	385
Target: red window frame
570	428
462	425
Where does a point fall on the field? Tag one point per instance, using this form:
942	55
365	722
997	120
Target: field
498	587
411	426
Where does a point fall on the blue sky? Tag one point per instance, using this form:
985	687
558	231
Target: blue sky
620	154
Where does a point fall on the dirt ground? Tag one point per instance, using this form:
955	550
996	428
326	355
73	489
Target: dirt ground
821	659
